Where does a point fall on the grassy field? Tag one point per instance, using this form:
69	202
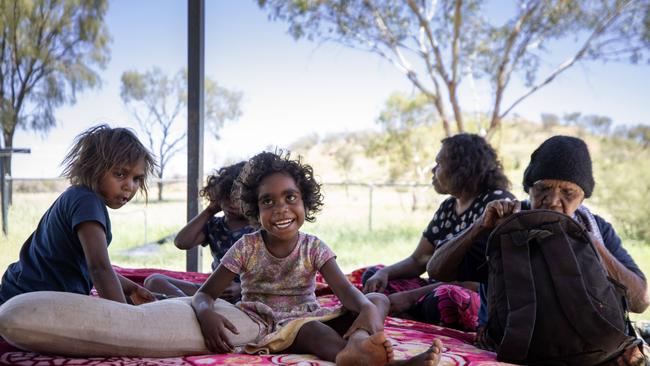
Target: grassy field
390	233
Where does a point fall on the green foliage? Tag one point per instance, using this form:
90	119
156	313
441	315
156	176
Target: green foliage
436	44
406	143
157	101
48	52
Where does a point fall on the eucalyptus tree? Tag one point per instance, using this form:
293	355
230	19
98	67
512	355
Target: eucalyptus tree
49	51
438	44
157	101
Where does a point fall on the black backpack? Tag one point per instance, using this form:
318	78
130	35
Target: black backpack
550	300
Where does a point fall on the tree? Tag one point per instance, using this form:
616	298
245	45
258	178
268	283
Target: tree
406	142
156	101
48	53
438	43
550	120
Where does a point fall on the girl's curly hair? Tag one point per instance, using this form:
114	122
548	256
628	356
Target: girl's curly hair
266	163
473	164
219	184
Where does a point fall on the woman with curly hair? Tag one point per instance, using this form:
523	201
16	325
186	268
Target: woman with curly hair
278	266
467	168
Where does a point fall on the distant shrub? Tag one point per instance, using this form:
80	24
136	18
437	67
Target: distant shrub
40	185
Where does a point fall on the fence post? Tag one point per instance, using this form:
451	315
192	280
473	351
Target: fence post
5	201
370	189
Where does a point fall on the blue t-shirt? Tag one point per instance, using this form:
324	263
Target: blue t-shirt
52	258
221	238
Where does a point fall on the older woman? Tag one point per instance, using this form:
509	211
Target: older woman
466	168
559	177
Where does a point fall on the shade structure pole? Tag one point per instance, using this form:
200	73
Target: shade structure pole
195	113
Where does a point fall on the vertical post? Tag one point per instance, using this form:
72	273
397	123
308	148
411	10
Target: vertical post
195	77
370	189
5	201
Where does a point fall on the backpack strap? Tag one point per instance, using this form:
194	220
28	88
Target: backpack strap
572	292
520	291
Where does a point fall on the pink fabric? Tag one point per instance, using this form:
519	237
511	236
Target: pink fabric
458	305
410	338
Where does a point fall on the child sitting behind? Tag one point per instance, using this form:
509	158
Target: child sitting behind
68	251
278	265
220	232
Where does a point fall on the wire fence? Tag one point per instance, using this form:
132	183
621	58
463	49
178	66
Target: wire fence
390	201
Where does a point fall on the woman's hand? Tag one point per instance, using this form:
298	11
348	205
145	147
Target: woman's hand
139	295
496	211
376	283
213	327
368	320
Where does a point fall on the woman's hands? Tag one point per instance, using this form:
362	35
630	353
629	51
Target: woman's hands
376	283
213	327
496	211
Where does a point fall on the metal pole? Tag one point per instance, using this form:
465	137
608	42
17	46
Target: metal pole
195	77
5	201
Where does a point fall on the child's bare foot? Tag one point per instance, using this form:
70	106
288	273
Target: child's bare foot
430	357
362	349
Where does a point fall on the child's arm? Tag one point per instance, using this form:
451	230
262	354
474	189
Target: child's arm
137	294
212	323
93	241
352	299
192	234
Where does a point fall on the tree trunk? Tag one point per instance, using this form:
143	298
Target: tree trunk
6	161
160	190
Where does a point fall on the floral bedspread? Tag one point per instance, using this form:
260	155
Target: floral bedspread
409	338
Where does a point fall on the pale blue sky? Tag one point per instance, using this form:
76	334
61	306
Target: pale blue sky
291	89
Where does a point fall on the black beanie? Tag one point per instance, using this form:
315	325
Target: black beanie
562	158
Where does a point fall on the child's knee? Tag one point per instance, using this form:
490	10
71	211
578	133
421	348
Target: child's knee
378	299
154	281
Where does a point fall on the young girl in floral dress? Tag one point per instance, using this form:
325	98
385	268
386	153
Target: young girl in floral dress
277	266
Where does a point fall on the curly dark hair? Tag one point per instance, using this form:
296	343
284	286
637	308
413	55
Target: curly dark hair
473	164
219	185
101	148
266	163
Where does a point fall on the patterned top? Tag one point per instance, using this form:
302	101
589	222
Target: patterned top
278	290
446	223
221	238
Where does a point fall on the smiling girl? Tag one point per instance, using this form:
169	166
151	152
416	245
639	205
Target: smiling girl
68	251
277	266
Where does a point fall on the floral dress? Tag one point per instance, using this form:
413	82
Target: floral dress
279	292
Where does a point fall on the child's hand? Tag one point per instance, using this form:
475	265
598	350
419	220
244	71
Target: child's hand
140	295
368	320
214	207
232	293
213	328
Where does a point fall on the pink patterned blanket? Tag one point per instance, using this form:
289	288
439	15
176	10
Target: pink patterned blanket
409	337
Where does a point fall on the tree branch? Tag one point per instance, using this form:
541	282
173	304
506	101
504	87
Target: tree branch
600	28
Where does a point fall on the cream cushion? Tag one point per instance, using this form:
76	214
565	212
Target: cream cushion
78	325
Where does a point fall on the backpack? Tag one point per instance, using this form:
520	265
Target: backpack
550	299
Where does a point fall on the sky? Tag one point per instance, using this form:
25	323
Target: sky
290	88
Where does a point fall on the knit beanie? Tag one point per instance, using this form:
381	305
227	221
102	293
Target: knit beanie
562	158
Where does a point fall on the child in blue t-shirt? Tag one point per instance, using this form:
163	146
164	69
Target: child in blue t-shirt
68	251
220	232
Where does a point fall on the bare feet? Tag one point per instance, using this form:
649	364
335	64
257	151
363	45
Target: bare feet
430	357
362	349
